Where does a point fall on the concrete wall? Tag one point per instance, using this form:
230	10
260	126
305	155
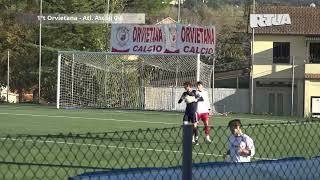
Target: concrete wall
262	101
231	100
225	100
13	98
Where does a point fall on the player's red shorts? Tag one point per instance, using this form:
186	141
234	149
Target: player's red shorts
203	116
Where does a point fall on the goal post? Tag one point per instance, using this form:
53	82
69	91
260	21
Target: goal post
126	81
58	81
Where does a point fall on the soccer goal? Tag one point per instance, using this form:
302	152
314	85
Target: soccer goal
142	82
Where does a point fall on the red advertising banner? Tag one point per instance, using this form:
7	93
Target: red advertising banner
162	39
196	39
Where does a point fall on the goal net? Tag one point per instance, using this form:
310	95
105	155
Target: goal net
142	82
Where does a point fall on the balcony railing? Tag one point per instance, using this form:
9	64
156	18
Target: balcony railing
314	60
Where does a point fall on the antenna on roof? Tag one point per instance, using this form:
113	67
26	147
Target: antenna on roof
312	5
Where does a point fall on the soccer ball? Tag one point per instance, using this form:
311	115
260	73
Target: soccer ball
242	145
189	99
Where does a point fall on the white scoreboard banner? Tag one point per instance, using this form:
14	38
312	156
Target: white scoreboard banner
163	39
315	106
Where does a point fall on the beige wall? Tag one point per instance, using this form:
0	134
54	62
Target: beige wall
312	68
312	88
263	56
265	70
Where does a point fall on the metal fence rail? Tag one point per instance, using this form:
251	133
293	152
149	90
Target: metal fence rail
67	155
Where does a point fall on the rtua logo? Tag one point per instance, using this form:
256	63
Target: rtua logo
265	20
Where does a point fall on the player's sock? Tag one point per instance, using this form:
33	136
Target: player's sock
208	139
197	139
197	142
196	133
206	130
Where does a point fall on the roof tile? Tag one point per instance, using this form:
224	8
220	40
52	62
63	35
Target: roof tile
304	20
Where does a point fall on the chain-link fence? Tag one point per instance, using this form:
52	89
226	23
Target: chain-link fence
157	154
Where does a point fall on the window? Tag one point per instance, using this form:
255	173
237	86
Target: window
314	52
281	52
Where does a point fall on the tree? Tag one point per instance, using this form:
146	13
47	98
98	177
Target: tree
13	37
83	37
151	8
22	40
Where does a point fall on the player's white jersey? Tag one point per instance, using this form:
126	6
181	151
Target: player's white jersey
235	142
203	106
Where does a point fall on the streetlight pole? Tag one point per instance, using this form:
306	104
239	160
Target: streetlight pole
108	6
179	10
292	87
40	50
107	9
8	77
252	61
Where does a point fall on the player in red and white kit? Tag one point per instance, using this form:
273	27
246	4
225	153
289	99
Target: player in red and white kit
204	109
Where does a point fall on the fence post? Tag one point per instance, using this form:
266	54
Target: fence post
187	151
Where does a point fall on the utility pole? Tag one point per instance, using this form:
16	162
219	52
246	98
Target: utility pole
292	88
252	61
179	10
107	25
40	50
8	77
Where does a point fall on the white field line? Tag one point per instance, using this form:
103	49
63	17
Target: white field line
279	125
139	121
108	111
144	113
181	114
128	120
98	119
14	107
172	114
127	112
123	147
251	119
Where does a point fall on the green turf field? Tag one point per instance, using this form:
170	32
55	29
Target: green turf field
110	139
36	119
